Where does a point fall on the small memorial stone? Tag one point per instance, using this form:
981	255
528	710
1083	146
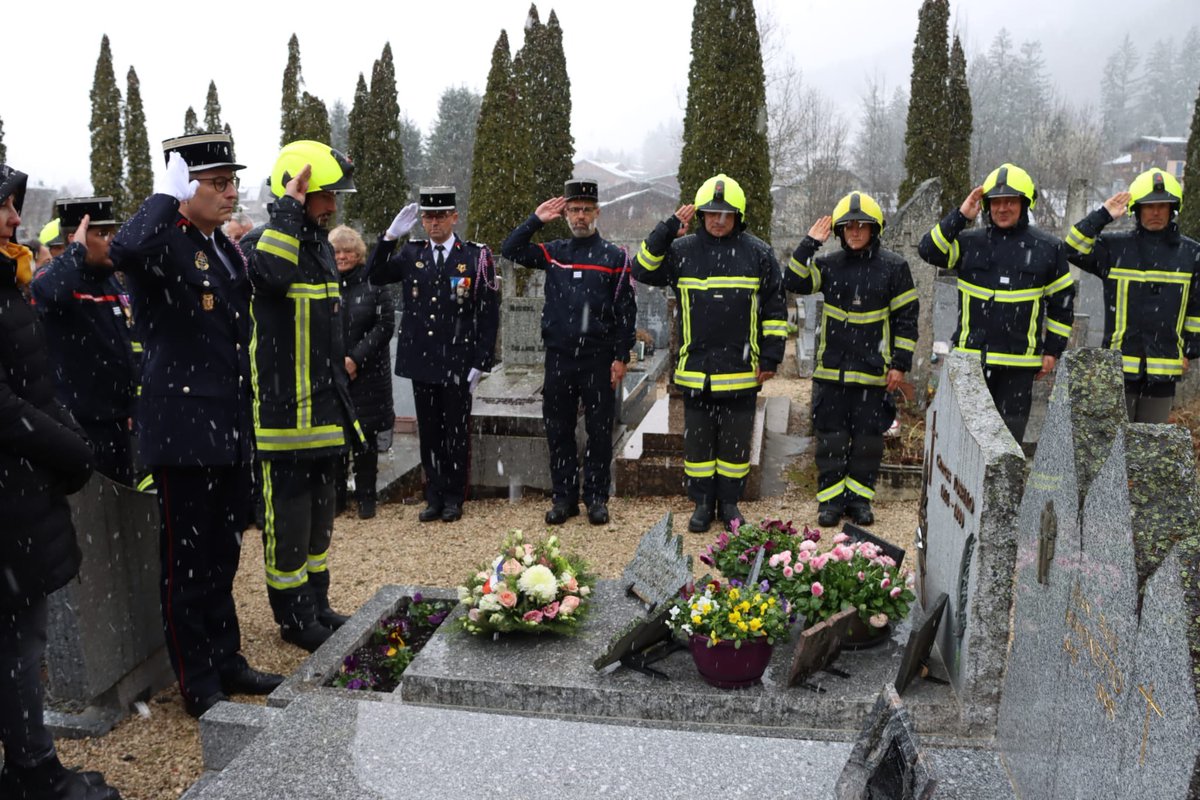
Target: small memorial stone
818	646
659	569
887	762
635	638
920	644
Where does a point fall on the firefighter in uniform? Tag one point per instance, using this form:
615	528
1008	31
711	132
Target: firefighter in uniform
1151	289
303	416
868	332
588	327
51	235
87	319
733	322
1012	277
191	299
446	340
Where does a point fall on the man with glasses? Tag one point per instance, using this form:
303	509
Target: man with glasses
191	298
447	336
87	319
588	327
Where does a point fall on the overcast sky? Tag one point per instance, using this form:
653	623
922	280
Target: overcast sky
627	59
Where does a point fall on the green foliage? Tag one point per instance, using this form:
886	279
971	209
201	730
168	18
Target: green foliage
414	152
314	119
725	126
212	111
105	127
925	138
956	181
356	144
139	174
190	124
290	111
501	169
731	613
1189	215
377	145
451	143
3	147
339	127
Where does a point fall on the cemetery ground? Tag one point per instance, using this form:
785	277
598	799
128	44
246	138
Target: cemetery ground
156	755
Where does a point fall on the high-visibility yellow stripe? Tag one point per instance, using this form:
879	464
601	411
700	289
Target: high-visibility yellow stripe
137	347
700	469
729	470
647	259
1164	366
1013	360
903	299
860	489
146	484
281	439
1131	364
850	376
733	381
719	282
1065	282
300	321
280	244
1031	333
942	243
1058	328
268	494
685	302
905	344
1120	316
1191	324
1000	295
317	562
689	380
831	492
754	343
855	317
287	580
1149	275
1084	244
254	406
313	291
803	270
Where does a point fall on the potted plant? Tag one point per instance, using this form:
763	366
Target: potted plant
533	588
732	631
380	662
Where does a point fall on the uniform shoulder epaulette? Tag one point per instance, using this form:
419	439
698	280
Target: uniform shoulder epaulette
421	242
476	245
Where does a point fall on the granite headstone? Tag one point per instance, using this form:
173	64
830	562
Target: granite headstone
887	762
659	569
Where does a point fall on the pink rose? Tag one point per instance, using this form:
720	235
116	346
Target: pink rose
878	620
508	598
818	563
571	585
885	583
475	615
512	568
817	590
842	553
861	576
798	568
775	559
808	546
534	616
528	549
895	592
838	538
888	560
568	605
788	572
803	556
551	611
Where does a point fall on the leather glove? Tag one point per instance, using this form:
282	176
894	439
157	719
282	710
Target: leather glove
473	379
177	180
403	223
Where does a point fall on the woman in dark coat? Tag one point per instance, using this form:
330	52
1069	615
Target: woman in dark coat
43	458
369	315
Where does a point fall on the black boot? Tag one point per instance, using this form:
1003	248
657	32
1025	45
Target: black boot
319	582
730	512
860	513
702	517
365	476
829	514
50	780
561	511
296	612
366	507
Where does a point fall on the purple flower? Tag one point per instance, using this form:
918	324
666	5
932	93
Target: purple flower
764	586
436	619
705	559
357	683
812	534
350	663
417	598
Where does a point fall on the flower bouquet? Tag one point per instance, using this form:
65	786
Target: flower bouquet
532	588
379	663
732	631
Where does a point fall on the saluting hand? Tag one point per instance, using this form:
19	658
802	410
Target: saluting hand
551	210
684	214
403	223
821	229
970	207
177	180
1117	205
80	234
297	187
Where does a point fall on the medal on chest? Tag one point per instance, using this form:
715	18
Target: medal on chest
459	287
208	301
201	261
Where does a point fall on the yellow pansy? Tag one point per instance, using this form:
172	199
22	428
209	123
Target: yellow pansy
695	619
734	594
756	624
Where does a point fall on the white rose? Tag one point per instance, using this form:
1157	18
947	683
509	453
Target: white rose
489	602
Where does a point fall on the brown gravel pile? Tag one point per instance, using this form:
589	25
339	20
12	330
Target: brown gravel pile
158	755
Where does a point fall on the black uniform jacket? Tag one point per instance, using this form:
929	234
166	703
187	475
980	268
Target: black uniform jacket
369	321
86	314
869	317
43	457
1151	293
450	314
193	318
590	307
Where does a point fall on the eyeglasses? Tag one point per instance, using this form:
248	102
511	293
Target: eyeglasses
576	211
220	184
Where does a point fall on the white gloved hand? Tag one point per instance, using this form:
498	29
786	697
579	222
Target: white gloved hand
473	379
403	223
177	181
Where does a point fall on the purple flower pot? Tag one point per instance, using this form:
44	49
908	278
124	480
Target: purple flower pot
727	667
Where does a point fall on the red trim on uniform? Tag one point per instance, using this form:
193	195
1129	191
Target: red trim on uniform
166	496
596	267
104	298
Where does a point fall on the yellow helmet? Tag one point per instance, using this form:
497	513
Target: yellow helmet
858	206
721	193
1009	180
332	170
51	234
1155	186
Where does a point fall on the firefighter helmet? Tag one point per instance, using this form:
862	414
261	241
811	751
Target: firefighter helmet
1009	180
332	170
858	207
721	194
1155	186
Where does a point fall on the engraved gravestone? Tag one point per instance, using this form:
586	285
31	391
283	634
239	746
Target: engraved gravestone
974	476
887	761
1100	696
659	569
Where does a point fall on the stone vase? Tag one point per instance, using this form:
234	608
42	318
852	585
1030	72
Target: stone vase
729	667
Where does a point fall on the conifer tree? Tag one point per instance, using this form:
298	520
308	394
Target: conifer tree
1189	215
139	174
212	110
501	174
956	183
412	143
313	120
725	125
356	144
451	143
925	136
379	167
339	126
105	127
290	109
191	125
3	147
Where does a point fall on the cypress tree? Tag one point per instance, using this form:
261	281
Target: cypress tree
925	152
190	123
356	138
501	174
3	147
212	110
379	174
957	181
1189	215
339	127
412	143
314	119
105	127
139	174
725	125
289	120
451	143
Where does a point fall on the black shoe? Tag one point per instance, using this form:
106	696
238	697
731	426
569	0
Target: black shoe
561	512
366	508
309	638
452	512
197	707
430	513
598	513
50	779
331	619
728	513
860	513
829	517
249	680
701	519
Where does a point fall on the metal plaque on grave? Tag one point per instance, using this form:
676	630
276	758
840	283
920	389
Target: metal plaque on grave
920	644
818	646
890	550
659	569
887	762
